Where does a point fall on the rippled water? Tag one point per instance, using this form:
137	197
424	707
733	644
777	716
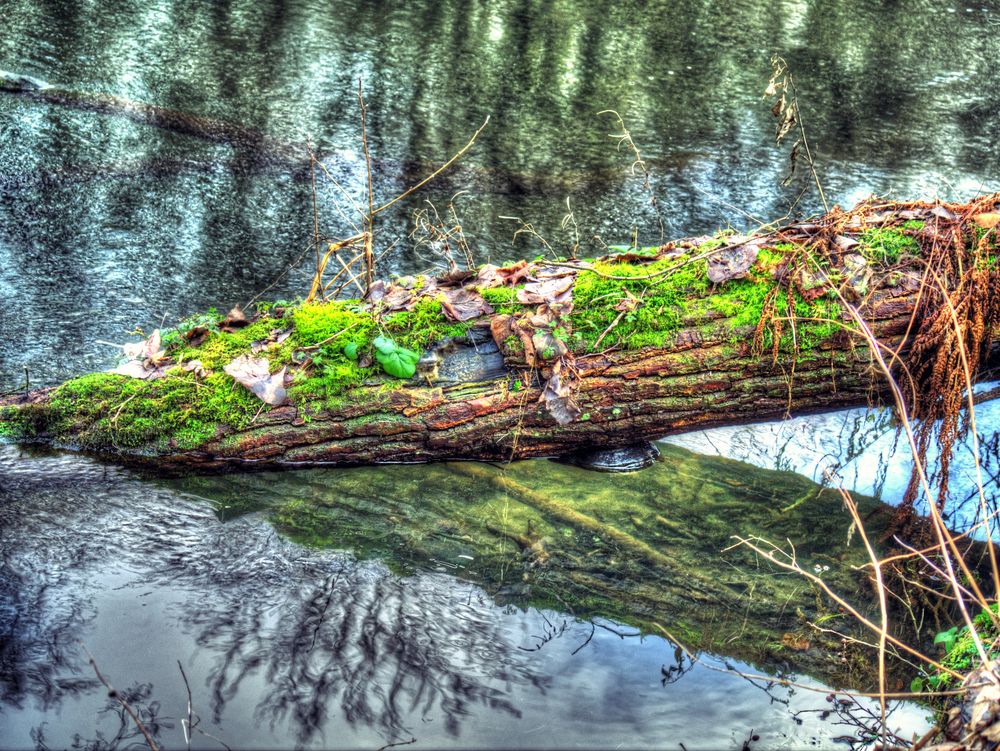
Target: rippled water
284	644
372	633
106	223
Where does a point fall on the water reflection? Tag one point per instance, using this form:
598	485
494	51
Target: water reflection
289	644
106	222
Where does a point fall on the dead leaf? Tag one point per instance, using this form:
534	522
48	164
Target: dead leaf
456	278
515	274
377	291
559	392
147	349
987	221
943	212
548	346
254	374
732	263
274	339
859	273
844	243
552	289
463	304
235	319
195	366
812	283
488	276
628	303
196	335
138	369
145	359
398	298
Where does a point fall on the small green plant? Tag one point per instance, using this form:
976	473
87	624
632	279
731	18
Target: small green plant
395	360
961	654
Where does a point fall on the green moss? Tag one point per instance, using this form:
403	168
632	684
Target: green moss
962	655
668	300
341	320
23	423
654	322
104	410
419	328
503	299
886	245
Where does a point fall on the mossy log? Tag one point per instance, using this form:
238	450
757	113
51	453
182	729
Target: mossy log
551	357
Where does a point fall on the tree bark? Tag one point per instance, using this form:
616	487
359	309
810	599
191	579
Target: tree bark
707	375
701	381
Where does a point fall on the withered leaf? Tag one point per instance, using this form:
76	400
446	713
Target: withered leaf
235	319
138	369
943	212
547	346
488	277
628	303
463	304
145	359
552	289
196	335
456	278
515	274
844	243
254	374
376	291
987	221
196	367
398	298
558	394
732	263
274	339
147	349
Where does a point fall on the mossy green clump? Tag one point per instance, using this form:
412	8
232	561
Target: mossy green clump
886	245
666	300
961	653
106	410
222	347
421	327
654	322
335	323
503	300
24	422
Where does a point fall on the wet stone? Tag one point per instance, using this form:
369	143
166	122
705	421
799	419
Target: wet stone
625	459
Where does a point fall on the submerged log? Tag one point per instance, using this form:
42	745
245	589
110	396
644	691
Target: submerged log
540	359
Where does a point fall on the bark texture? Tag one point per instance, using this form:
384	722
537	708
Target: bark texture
702	381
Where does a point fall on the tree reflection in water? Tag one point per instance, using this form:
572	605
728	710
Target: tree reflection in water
311	630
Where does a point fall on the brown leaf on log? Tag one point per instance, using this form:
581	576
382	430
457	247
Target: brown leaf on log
456	278
733	263
553	289
515	274
254	374
196	335
235	319
145	359
987	221
559	391
274	339
463	304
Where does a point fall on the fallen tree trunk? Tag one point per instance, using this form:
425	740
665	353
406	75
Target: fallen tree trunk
550	358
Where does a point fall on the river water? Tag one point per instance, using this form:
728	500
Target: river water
296	636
